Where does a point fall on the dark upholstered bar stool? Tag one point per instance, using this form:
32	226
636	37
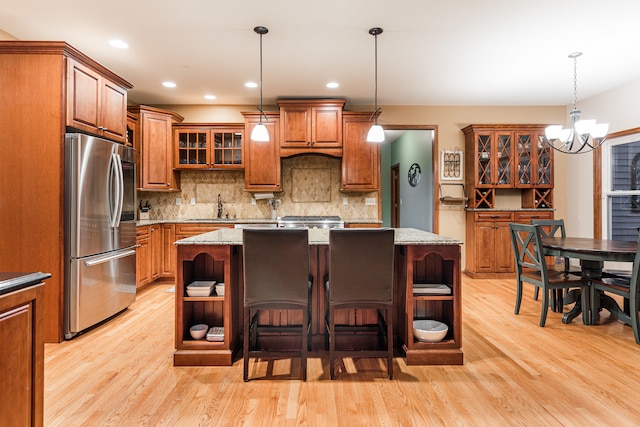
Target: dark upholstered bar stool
360	276
276	276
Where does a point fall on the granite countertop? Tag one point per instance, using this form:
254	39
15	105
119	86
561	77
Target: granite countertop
10	282
319	236
144	222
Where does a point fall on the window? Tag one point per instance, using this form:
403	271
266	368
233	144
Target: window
621	188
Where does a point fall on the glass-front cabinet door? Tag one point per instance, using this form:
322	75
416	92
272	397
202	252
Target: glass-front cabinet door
494	159
209	146
504	156
535	161
192	152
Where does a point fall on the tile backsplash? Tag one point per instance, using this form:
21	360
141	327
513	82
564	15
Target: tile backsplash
310	187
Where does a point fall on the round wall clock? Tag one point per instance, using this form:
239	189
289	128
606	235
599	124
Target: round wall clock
415	173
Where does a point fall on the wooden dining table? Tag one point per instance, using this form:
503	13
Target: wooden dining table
592	254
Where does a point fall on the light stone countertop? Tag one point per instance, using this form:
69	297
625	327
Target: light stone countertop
319	236
143	222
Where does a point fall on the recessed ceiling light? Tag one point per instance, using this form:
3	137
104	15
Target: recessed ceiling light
210	97
251	84
168	84
119	44
333	85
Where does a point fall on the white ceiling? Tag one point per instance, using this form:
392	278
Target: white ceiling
432	52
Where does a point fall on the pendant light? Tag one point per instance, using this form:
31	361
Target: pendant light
583	135
259	132
376	133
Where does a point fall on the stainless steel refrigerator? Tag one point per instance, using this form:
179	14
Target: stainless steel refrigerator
100	230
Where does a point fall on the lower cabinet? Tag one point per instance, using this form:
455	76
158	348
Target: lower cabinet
143	256
207	263
488	243
22	357
156	252
432	265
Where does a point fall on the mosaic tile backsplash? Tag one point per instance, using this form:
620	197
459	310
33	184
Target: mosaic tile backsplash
310	185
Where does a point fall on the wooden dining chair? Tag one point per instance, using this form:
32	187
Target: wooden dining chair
555	228
531	267
276	277
626	287
360	277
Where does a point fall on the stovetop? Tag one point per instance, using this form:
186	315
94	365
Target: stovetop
310	218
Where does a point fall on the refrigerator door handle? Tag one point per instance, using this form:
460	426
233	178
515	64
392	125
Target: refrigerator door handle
108	258
120	195
114	219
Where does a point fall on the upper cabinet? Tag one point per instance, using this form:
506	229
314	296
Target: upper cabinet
262	170
311	126
202	146
360	159
155	148
96	104
508	157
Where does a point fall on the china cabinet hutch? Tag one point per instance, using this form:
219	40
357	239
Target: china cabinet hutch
510	158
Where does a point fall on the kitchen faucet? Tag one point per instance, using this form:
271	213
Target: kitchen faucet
219	207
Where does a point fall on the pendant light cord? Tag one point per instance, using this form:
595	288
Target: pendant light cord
262	31
374	32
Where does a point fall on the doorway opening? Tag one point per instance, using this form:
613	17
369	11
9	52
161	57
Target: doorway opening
409	177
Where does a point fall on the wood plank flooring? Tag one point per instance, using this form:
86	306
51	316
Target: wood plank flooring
515	373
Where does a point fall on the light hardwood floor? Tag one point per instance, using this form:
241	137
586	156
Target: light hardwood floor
515	373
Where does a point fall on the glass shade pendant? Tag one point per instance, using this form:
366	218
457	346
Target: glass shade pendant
376	133
259	132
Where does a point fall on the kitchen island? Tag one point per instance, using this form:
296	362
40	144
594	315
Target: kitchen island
420	258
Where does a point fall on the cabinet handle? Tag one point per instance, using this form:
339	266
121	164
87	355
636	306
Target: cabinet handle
495	216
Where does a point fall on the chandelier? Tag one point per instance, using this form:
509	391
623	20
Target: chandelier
583	135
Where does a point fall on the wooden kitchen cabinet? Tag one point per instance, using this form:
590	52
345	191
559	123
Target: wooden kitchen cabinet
534	162
310	126
360	159
222	264
489	252
156	244
432	264
262	169
508	157
168	251
96	104
132	128
155	150
488	243
143	256
22	357
202	146
34	76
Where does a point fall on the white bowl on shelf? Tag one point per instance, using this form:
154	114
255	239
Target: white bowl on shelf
220	289
427	330
198	331
200	288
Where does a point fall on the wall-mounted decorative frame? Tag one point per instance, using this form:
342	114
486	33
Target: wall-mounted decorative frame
451	164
